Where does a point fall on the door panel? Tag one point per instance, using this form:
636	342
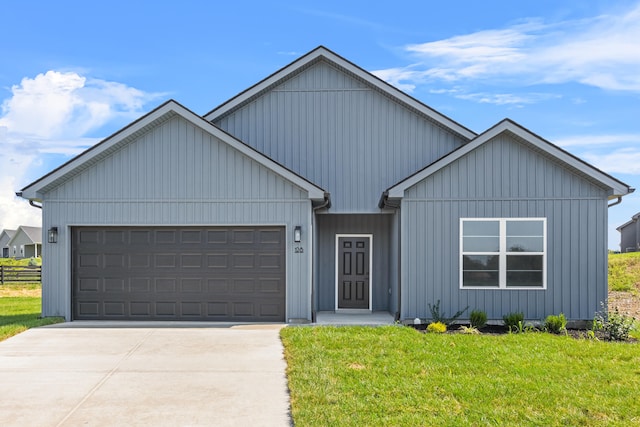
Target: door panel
353	272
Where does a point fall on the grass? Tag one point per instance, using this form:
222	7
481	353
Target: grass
364	376
20	309
624	272
20	262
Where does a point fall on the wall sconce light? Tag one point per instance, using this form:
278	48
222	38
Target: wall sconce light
297	234
53	235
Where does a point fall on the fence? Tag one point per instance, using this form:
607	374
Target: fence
11	273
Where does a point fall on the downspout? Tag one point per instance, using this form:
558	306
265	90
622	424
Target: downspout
617	202
325	204
385	203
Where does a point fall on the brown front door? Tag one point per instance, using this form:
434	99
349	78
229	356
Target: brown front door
353	271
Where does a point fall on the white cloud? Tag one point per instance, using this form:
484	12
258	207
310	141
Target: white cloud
625	160
506	98
51	114
598	140
602	51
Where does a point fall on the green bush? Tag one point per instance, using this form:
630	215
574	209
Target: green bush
437	316
513	320
437	327
615	326
555	324
478	319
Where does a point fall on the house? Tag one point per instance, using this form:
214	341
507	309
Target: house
5	236
25	243
630	235
322	188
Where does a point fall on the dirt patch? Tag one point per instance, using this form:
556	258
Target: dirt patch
12	291
628	303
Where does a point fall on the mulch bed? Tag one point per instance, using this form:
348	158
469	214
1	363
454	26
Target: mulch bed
502	330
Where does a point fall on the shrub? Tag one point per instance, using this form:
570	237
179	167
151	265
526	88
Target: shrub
437	316
469	330
513	320
555	324
616	326
437	327
478	319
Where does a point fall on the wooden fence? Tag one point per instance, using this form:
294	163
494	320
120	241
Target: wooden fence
11	273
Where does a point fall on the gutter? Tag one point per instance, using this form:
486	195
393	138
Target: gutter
31	202
617	202
384	201
326	203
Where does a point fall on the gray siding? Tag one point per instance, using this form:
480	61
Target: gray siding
630	237
176	174
382	272
505	178
340	134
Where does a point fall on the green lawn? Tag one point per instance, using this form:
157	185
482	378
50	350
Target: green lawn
624	272
396	376
20	307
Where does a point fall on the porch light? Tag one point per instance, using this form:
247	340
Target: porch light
53	235
297	234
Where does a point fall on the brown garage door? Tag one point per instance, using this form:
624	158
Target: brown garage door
187	273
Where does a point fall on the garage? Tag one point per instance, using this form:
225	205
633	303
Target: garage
178	273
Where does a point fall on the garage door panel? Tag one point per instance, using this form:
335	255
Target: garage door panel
140	309
88	308
189	273
243	261
88	236
191	261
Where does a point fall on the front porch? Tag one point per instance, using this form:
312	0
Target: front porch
363	318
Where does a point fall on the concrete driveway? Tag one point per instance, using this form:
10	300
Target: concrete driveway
147	375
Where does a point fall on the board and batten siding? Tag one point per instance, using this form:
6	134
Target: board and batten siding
630	237
382	269
176	175
505	178
341	134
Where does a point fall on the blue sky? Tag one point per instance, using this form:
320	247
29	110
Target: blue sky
72	72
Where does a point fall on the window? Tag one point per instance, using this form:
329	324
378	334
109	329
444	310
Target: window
504	253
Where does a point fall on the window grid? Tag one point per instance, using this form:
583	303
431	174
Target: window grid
504	252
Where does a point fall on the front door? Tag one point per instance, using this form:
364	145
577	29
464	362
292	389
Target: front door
353	279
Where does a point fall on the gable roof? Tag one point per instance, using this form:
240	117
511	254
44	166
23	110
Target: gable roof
8	232
631	221
161	114
617	188
33	234
322	53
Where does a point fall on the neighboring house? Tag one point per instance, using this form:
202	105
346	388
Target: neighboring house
5	237
630	235
322	188
26	242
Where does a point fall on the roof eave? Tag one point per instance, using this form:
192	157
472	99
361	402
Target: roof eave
32	191
617	187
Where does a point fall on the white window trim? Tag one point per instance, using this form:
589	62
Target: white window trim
502	262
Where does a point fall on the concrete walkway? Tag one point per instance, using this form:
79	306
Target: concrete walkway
143	376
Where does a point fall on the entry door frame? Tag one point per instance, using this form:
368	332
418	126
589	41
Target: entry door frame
337	285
